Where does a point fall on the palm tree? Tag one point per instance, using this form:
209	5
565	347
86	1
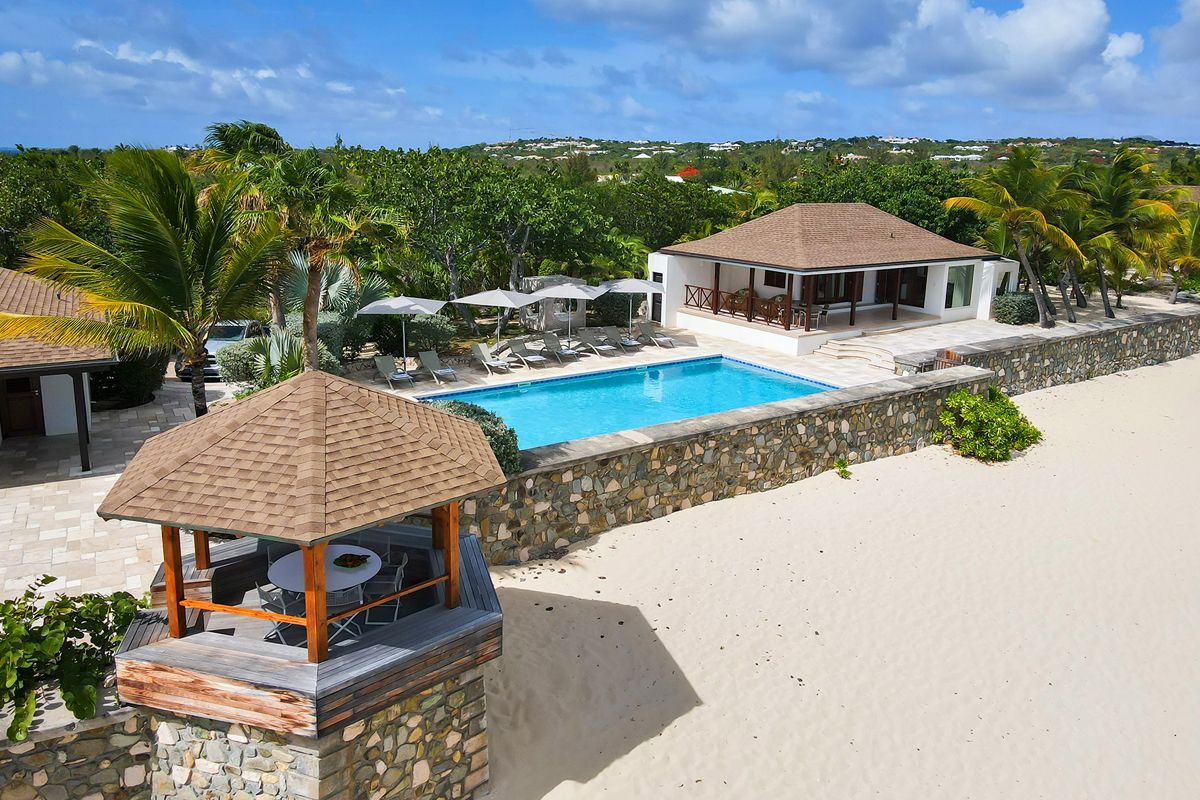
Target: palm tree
1019	196
1133	218
178	266
1182	249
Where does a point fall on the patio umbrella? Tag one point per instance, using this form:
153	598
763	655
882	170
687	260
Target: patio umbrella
632	286
497	298
569	291
405	307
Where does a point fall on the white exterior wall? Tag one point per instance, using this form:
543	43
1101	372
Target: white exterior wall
58	404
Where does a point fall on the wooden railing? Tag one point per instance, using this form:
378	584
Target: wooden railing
767	310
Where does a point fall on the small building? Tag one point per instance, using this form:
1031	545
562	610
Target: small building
796	278
44	387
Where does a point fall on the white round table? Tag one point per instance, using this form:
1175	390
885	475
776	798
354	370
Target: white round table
288	572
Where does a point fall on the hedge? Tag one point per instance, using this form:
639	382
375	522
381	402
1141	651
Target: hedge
613	308
331	330
1015	308
501	437
133	380
238	365
425	332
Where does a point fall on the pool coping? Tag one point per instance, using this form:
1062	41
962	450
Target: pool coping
444	393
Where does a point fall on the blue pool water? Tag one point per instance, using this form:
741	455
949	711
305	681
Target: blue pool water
550	411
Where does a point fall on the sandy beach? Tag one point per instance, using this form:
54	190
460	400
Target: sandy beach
930	628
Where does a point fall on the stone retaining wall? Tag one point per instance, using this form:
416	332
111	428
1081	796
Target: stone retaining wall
432	744
577	489
1030	362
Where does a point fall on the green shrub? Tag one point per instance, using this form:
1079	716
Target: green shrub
613	309
134	380
239	363
500	436
355	337
425	332
68	641
988	427
331	330
1015	308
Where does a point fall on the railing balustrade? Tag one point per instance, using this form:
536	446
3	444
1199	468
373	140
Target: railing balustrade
767	310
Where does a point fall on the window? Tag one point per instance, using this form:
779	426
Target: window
775	279
958	285
1003	287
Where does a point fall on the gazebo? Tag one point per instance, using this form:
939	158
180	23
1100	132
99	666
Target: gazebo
303	463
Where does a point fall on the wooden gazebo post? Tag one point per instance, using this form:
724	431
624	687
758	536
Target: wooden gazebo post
173	580
200	547
316	617
445	538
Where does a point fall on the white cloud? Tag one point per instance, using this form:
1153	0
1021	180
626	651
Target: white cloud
339	87
1122	47
803	98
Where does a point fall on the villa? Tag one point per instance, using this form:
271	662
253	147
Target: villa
810	273
43	387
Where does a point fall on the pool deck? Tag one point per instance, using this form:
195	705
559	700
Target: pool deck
688	345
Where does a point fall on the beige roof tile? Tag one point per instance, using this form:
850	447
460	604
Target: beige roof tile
25	294
310	459
808	236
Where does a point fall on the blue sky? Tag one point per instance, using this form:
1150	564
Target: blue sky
410	74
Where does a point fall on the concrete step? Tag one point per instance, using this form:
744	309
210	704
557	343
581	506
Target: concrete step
858	350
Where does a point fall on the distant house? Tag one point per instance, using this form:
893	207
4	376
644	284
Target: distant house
44	387
642	155
812	272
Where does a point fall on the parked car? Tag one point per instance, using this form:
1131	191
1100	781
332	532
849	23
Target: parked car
223	334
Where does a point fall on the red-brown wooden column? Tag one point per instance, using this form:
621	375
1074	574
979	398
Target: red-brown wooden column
316	618
173	572
445	538
854	277
896	294
806	288
200	546
716	293
750	298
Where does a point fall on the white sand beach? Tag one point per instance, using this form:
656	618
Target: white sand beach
931	628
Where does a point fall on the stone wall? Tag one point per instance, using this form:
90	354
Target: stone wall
577	489
430	745
103	759
1030	362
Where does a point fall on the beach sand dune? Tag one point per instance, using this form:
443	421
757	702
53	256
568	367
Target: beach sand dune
931	628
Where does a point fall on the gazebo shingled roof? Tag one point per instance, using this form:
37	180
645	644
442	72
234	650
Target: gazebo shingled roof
308	460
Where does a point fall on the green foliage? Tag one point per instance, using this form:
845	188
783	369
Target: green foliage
613	308
68	641
658	211
331	330
1015	308
842	468
988	427
914	192
501	437
240	362
133	381
36	185
425	332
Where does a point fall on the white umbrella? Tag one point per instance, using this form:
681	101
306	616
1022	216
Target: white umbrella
497	298
632	286
405	307
569	291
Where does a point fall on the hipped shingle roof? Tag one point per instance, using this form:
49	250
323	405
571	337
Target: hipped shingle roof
808	236
309	459
25	294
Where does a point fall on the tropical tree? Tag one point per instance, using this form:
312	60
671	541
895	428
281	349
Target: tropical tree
176	268
1132	217
1182	249
1022	196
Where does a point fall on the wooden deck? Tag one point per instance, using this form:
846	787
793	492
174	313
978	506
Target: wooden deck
225	670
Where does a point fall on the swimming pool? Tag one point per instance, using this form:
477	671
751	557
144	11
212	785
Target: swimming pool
573	407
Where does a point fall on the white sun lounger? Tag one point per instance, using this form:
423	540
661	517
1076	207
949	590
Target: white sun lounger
389	372
645	329
431	362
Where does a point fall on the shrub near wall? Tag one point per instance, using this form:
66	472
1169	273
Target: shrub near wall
1015	308
573	491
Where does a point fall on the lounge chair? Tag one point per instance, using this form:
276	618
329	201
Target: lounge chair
527	356
556	348
647	330
489	361
432	363
626	343
390	373
597	341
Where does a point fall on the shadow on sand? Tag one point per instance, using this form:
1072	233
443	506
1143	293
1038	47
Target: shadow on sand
581	683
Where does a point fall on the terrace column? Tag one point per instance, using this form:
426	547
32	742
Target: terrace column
750	298
896	294
716	292
316	620
445	538
854	279
173	574
787	312
81	422
806	284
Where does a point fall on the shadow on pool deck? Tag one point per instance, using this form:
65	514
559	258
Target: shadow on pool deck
562	708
